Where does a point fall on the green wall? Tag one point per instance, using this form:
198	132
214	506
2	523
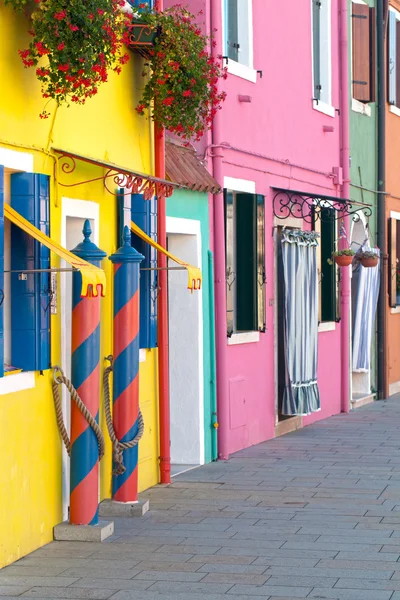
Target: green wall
363	152
185	204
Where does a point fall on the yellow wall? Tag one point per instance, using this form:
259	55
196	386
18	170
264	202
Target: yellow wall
107	128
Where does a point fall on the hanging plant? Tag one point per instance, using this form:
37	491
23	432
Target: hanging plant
17	4
369	259
75	44
182	85
343	258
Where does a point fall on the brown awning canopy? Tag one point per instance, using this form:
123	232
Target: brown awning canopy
182	166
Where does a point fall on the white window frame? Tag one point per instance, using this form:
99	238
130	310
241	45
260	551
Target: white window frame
248	187
395	215
324	105
14	162
393	108
234	67
356	106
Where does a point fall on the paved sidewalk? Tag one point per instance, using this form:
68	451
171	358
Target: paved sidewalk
314	514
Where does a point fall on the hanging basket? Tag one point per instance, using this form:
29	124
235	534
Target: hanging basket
142	37
343	260
369	262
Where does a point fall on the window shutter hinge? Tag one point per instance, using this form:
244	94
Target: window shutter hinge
360	82
359	16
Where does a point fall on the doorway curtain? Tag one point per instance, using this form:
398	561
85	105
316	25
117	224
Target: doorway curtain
365	293
299	255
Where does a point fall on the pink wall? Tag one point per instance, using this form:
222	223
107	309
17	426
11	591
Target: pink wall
280	124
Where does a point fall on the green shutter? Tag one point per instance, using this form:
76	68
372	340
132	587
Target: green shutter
328	272
261	276
246	262
316	6
229	258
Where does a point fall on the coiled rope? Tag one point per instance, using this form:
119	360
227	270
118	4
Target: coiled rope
118	447
58	379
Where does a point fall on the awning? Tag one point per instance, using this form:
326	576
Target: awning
183	166
91	276
194	273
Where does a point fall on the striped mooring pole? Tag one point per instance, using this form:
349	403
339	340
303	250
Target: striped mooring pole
126	261
85	375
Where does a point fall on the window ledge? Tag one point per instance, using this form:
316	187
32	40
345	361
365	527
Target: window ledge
395	311
248	337
326	326
324	108
142	355
395	110
360	107
17	382
243	71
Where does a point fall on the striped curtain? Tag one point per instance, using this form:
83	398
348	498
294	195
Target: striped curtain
301	394
365	293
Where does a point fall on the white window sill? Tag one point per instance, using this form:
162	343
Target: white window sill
324	108
17	383
248	337
395	110
142	355
395	311
326	326
360	107
243	71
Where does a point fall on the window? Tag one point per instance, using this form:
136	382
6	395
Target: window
394	59
327	273
363	51
239	31
394	260
245	262
322	53
25	302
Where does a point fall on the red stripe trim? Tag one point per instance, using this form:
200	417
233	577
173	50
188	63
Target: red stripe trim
126	325
126	409
84	499
128	491
89	392
85	319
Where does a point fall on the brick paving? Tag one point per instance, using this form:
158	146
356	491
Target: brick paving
313	514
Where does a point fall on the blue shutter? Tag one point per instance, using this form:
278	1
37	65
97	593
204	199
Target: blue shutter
392	58
1	270
144	214
30	298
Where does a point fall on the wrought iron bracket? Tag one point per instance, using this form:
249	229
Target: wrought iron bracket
309	207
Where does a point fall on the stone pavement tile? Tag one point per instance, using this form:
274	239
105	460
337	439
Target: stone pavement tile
372	536
359	563
234	543
277	536
396	596
349	594
206	528
334	545
295	580
229	568
188	550
148	595
390	548
164	538
34	581
13	590
68	593
328	572
43	570
109	572
218	514
284	562
369	584
139	557
111	584
190	588
287	553
368	556
187	567
240	578
168	576
237	522
269	590
221	559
